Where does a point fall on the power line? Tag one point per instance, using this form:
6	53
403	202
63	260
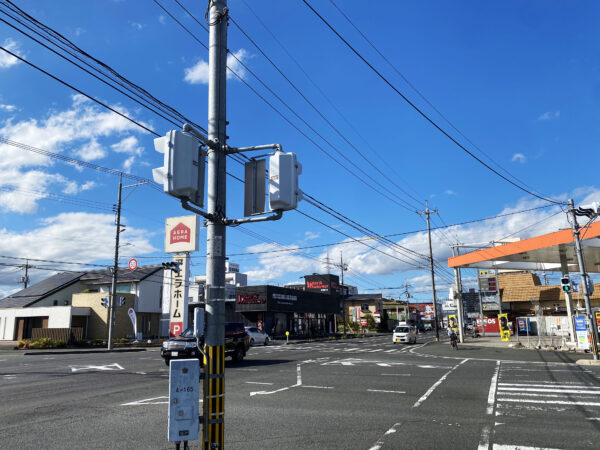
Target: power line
420	94
425	116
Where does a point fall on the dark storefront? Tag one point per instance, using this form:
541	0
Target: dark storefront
277	310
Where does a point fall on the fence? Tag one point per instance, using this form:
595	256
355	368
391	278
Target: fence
69	335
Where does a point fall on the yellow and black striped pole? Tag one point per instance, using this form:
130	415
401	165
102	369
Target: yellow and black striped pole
214	397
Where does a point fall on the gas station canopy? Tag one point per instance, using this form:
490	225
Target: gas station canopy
541	253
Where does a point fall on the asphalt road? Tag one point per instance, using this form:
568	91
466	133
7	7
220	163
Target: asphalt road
353	394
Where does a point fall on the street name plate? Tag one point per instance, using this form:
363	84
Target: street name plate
184	396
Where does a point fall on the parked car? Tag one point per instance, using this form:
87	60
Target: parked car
257	336
405	333
184	346
427	327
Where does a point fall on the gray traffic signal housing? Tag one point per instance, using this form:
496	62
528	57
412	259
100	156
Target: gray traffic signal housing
104	301
183	172
284	192
565	283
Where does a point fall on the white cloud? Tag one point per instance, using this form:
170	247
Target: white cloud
8	108
72	188
309	235
79	31
276	265
78	129
162	19
136	25
7	60
128	145
449	192
198	74
549	115
519	157
128	164
80	237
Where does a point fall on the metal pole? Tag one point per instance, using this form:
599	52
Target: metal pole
459	301
435	314
112	301
565	272
343	294
584	279
214	383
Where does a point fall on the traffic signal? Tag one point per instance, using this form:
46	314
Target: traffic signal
182	174
172	265
591	210
121	301
284	192
104	302
565	283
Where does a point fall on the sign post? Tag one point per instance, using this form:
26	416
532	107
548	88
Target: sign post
582	333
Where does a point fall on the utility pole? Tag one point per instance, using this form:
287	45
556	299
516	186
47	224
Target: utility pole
427	212
584	276
458	299
214	344
113	302
25	279
342	267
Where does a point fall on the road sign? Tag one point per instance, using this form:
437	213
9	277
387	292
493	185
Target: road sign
132	264
581	332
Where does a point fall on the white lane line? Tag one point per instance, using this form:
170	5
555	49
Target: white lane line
258	382
386	351
268	392
554	386
317	387
436	384
546	383
113	366
553	402
380	441
351	349
384	364
525	394
141	373
388	392
298	375
507	390
519	447
376	350
395	374
492	394
484	441
148	401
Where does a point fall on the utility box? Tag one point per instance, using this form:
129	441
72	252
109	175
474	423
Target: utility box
284	192
183	173
184	397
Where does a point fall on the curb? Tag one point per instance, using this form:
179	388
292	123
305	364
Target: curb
587	362
76	352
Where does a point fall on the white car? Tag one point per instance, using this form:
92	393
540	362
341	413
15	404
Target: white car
257	336
405	333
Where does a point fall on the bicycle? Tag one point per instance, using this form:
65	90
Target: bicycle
454	341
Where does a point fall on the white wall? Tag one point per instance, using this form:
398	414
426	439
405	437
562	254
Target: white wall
62	296
148	295
58	317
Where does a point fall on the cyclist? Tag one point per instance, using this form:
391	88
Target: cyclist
453	337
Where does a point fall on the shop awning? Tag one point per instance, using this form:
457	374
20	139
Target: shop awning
537	253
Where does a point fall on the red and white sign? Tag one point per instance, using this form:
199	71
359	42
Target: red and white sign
132	264
181	234
133	317
363	322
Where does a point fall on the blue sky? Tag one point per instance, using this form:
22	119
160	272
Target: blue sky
521	80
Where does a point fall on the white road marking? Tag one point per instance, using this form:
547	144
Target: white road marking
268	392
553	402
113	366
141	373
388	392
525	394
317	387
508	390
396	374
492	394
484	442
554	386
383	364
436	384
257	382
299	375
380	441
149	401
519	447
386	351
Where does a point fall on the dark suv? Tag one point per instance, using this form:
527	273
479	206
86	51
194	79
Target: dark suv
183	346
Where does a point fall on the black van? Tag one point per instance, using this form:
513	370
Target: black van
237	343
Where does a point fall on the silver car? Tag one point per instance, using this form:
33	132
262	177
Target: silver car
405	333
257	336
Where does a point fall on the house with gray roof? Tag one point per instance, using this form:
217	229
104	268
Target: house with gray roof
74	300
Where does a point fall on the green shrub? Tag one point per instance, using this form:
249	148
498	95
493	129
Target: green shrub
24	343
59	343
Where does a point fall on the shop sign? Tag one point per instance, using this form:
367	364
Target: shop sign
453	322
524	324
179	296
181	234
582	333
377	316
249	299
503	326
363	322
490	324
284	297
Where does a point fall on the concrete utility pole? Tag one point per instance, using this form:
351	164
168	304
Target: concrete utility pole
25	279
342	267
458	299
214	344
584	278
428	212
113	302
